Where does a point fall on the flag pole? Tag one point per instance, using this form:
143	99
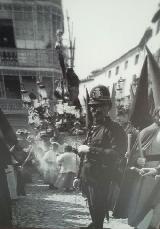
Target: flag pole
140	144
59	48
129	137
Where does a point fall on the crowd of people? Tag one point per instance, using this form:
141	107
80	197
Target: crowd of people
111	180
58	166
56	163
23	155
69	122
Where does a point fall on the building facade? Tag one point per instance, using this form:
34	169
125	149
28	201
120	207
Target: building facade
27	51
125	71
122	72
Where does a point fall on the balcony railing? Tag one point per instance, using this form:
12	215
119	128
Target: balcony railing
28	58
12	106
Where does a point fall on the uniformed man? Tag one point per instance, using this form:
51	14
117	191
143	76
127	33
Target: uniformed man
105	145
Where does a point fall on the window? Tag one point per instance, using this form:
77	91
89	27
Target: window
117	70
109	74
136	59
2	90
54	23
12	86
40	8
27	8
18	7
158	26
19	16
126	64
7	7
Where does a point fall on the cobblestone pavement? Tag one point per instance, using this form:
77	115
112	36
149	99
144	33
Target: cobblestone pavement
44	208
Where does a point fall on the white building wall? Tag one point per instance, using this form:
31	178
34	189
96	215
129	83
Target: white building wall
125	73
133	70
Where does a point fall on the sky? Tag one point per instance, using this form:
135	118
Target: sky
106	29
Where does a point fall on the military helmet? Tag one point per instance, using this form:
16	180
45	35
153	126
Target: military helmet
100	95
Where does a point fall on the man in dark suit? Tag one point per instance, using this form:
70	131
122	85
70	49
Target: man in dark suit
104	147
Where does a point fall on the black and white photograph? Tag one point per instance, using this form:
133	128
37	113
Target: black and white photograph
80	114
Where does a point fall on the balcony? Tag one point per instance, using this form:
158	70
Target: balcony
28	58
12	106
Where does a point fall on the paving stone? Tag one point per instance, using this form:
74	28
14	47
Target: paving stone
43	208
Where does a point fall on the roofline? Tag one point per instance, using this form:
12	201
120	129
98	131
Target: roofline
123	56
112	63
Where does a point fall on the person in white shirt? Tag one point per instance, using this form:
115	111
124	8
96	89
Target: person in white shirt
69	164
50	165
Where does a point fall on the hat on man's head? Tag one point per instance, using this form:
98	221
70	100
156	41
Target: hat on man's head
100	95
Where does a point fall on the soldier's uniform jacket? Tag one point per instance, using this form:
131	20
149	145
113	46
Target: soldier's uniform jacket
108	146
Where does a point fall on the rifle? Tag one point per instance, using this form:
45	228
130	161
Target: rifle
82	157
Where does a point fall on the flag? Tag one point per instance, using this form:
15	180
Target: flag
73	87
154	74
151	102
139	114
113	98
